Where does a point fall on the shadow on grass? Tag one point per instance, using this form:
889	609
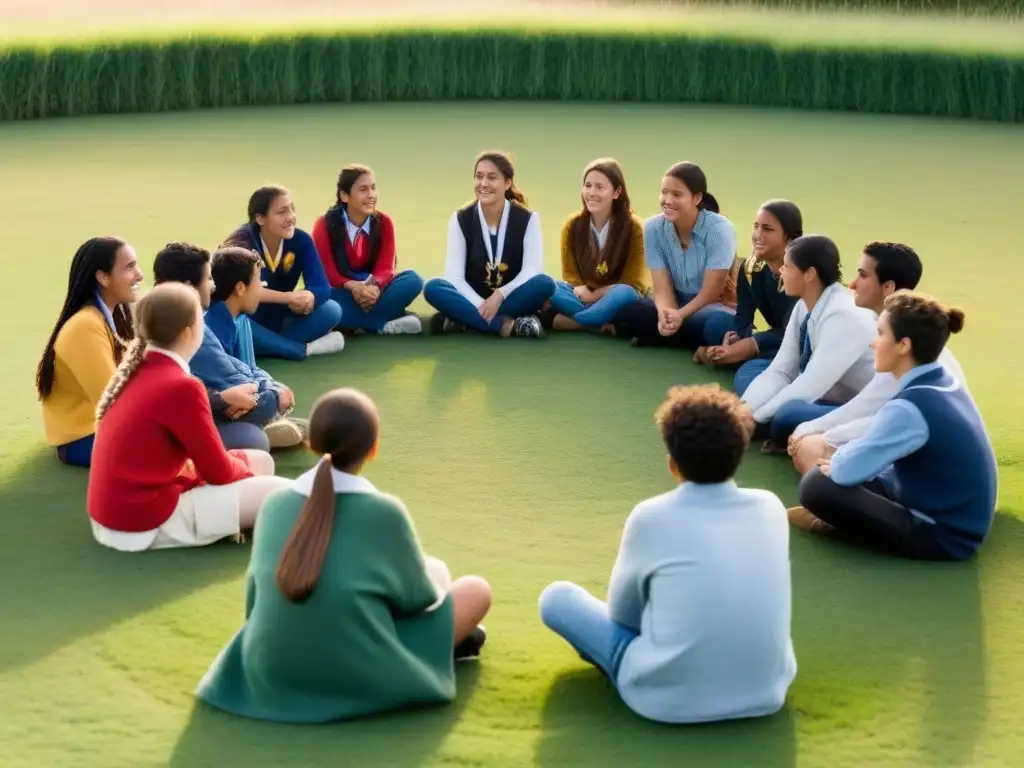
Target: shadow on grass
397	740
586	724
60	585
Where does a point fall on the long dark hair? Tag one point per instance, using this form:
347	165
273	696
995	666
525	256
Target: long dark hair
343	428
98	254
790	220
503	162
259	205
337	231
620	227
693	177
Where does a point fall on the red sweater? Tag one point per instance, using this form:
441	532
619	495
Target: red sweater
383	270
160	421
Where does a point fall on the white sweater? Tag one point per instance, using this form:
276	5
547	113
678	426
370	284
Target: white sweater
842	362
851	420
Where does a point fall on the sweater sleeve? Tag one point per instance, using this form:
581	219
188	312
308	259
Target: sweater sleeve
635	273
190	421
89	355
322	244
455	263
785	367
313	276
387	256
866	404
409	589
743	321
626	587
533	255
570	273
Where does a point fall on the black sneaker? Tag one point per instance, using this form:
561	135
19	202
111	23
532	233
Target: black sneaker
440	323
528	327
470	647
547	318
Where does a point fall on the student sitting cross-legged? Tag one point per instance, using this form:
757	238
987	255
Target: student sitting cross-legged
884	269
691	251
289	323
759	289
493	274
249	407
344	615
697	623
825	358
356	244
86	345
160	476
922	482
603	266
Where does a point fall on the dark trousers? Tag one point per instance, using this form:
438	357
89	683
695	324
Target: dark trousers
639	321
868	516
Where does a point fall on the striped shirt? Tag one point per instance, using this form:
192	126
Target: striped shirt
712	246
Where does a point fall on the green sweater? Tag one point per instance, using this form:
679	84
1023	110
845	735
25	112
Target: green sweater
364	642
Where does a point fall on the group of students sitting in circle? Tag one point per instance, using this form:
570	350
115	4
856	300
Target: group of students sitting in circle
162	398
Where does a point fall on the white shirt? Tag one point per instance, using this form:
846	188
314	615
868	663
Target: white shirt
851	420
455	258
703	573
126	541
842	361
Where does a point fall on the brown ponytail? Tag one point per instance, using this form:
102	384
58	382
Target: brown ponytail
302	559
132	359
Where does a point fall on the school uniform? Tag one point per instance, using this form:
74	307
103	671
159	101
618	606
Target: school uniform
377	633
921	483
626	274
825	360
160	477
277	331
364	254
85	361
478	262
712	247
697	623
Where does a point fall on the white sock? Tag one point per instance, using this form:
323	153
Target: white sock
330	344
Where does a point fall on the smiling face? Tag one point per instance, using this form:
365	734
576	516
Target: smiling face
677	201
598	194
362	200
489	183
768	239
121	285
280	218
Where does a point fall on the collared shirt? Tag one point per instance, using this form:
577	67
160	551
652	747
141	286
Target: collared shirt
601	235
712	246
353	230
173	355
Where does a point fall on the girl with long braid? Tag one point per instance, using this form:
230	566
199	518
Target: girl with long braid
160	475
86	344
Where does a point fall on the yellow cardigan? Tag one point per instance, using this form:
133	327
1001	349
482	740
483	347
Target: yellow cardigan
84	364
635	274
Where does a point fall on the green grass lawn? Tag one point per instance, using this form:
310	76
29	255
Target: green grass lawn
518	460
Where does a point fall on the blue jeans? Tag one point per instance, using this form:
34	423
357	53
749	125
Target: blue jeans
394	300
77	453
749	371
582	620
524	300
639	320
282	333
794	413
600	312
716	326
247	431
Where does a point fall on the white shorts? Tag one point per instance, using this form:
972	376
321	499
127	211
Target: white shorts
440	577
203	515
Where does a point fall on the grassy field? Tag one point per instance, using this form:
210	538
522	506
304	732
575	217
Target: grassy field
519	461
27	20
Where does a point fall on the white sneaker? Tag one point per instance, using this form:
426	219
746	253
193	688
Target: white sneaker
283	433
403	324
330	344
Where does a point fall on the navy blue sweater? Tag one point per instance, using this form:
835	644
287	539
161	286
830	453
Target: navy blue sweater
759	290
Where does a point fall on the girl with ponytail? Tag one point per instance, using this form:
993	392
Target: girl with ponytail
160	476
88	341
345	615
493	275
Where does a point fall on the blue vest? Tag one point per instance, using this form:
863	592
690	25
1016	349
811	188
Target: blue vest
952	478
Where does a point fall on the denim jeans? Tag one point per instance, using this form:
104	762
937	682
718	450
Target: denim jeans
716	326
281	333
247	431
582	620
394	300
749	371
639	320
600	312
77	453
524	300
794	413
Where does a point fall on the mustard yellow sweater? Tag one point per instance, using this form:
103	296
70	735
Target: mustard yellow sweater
635	274
85	363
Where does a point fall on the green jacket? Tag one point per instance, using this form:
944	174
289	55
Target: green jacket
372	636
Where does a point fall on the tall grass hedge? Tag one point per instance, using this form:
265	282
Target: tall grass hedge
402	65
962	7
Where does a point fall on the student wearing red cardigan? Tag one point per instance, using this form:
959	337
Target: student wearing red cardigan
356	244
160	476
